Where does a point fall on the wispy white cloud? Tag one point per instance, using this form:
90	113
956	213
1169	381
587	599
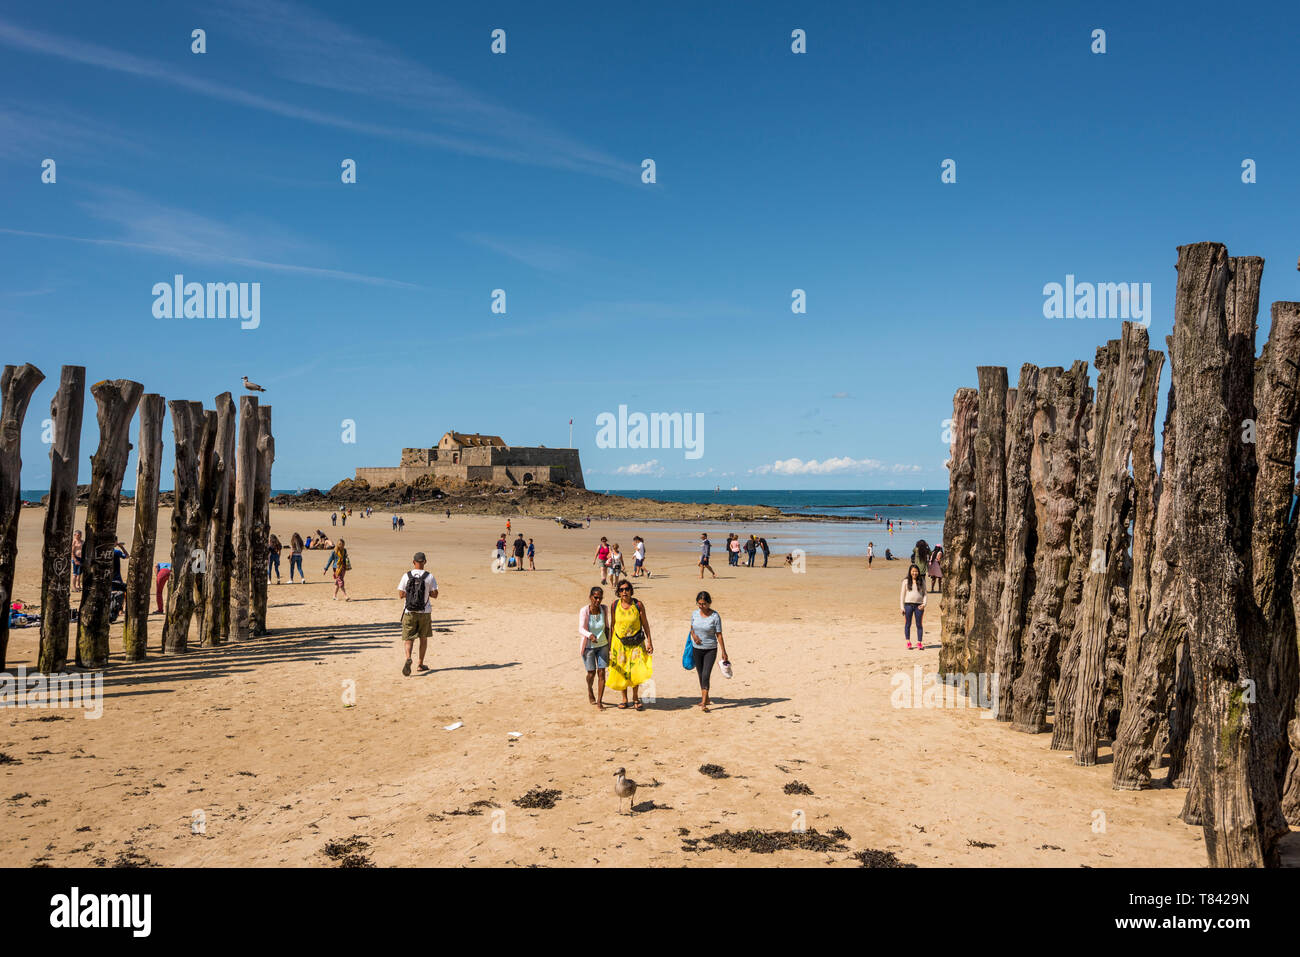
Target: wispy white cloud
643	468
36	134
311	50
148	226
542	256
831	466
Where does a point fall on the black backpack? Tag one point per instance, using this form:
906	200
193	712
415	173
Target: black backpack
416	591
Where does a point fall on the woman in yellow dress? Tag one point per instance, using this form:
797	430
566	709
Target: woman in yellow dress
631	652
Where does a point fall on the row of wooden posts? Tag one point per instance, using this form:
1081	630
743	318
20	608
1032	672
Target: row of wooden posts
1151	607
220	517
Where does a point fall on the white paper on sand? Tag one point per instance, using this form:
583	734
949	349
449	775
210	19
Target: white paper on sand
515	734
453	727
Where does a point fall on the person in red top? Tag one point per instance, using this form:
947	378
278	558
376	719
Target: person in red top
602	559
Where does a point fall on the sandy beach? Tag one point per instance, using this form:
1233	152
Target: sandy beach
257	743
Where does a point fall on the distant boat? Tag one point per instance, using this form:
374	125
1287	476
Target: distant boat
735	488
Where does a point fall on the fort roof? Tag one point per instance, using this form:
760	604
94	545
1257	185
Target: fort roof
470	439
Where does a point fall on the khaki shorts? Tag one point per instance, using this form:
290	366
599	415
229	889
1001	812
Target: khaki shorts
417	624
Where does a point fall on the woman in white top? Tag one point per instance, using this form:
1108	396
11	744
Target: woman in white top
593	630
638	558
615	565
911	600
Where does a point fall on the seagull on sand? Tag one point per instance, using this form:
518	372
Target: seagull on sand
624	787
252	386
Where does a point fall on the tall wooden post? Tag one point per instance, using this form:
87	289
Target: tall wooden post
116	400
1021	535
1277	403
988	552
140	573
1058	432
187	429
958	522
1236	734
245	478
17	385
262	512
1150	668
1081	556
56	549
214	492
1103	614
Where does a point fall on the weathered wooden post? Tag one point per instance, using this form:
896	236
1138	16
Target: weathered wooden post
957	525
56	549
229	538
1081	557
1236	733
1021	536
262	513
187	429
139	572
1149	669
205	468
17	385
1103	613
988	552
214	492
1064	400
116	400
1277	422
245	478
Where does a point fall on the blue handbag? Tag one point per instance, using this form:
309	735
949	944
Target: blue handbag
688	656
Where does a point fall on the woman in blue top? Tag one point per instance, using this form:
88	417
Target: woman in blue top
706	638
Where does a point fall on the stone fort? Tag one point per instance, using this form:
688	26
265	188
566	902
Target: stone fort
480	458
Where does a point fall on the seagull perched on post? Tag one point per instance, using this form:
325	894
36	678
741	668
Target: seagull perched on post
252	386
624	787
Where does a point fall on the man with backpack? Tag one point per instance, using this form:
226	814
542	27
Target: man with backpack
417	588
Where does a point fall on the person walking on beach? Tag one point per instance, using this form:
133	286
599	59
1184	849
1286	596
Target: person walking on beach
706	642
77	548
631	651
532	554
394	521
296	547
334	518
343	514
921	555
615	566
602	559
751	547
273	550
521	547
936	569
638	558
762	544
417	588
733	550
871	554
401	524
706	546
593	644
162	572
342	565
911	599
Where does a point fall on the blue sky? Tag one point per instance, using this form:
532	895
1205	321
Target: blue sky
522	172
